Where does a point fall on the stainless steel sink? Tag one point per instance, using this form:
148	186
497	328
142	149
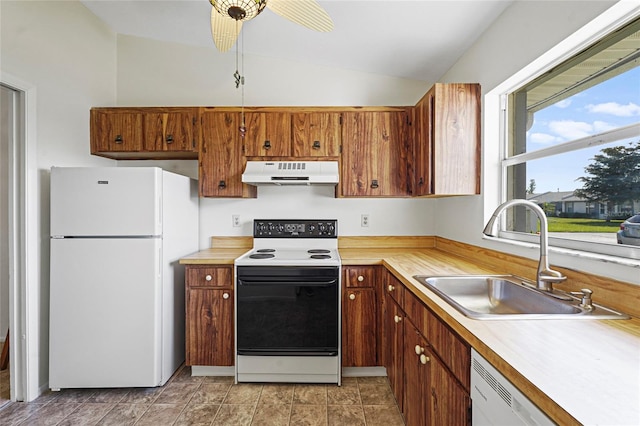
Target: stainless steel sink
506	297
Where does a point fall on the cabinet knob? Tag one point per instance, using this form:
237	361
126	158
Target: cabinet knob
421	181
267	145
419	350
222	184
352	296
360	278
397	318
316	145
118	139
374	184
208	277
169	138
225	295
424	359
391	288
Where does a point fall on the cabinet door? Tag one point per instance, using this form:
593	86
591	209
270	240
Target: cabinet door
447	140
316	134
268	134
393	348
171	131
359	327
116	131
375	154
221	159
449	403
209	327
455	147
417	364
422	127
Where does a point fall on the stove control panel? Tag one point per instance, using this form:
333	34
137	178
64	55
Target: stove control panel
288	228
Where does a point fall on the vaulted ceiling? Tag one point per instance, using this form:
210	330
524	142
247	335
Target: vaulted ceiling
418	39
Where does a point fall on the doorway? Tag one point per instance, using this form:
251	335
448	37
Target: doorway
7	103
12	237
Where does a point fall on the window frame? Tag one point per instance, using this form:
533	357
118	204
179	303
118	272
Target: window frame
497	126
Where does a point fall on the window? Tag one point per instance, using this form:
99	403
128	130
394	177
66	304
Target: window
573	147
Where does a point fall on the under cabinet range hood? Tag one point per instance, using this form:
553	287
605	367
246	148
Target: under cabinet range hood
291	173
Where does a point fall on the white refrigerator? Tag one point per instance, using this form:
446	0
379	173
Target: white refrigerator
117	289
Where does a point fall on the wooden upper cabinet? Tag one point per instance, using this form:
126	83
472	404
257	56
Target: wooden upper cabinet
116	131
447	140
375	148
268	134
316	134
221	159
145	133
171	131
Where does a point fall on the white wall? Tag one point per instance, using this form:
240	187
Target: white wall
524	32
157	73
69	57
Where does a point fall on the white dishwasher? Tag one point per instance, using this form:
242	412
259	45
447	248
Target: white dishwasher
496	402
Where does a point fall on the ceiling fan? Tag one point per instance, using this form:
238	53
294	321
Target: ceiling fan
227	17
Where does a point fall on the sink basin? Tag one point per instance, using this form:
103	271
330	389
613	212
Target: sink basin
508	297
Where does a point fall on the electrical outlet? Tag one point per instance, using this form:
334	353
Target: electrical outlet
235	219
364	220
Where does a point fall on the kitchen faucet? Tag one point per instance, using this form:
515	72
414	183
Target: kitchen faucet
545	276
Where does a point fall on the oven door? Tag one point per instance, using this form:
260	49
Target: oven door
287	311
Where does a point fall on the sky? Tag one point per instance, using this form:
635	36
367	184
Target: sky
610	104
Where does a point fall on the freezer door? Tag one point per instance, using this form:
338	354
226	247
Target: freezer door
106	201
105	313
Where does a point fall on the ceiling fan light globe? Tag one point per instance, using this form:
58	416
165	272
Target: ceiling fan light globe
240	10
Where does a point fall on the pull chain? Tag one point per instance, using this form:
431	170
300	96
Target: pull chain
239	79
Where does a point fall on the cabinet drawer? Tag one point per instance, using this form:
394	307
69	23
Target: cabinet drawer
360	276
209	276
394	288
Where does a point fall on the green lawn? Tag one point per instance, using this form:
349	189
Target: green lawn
560	224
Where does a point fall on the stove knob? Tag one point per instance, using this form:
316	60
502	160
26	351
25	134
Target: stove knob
322	227
271	227
312	228
281	228
331	229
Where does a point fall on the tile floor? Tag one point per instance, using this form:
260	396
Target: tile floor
187	400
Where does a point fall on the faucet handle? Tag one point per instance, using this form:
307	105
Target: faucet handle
586	303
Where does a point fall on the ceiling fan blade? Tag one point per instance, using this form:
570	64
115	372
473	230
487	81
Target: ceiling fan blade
307	13
224	30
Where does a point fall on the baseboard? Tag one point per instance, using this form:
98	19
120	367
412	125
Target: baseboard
363	371
203	370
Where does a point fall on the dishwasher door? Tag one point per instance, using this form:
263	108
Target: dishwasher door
496	402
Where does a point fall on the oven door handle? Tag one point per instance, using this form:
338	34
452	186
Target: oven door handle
287	283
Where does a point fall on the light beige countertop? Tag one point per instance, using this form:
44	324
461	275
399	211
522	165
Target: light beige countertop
577	371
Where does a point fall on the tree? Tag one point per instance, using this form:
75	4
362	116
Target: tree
532	186
614	176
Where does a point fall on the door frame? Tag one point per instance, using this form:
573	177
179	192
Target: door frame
24	257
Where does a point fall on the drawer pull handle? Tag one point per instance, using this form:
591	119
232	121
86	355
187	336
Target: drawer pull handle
316	145
169	138
118	139
267	145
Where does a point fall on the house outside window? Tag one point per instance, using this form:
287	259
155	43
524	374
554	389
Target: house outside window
570	132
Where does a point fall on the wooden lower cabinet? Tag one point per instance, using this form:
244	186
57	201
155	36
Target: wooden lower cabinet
393	347
209	315
360	328
417	366
426	390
